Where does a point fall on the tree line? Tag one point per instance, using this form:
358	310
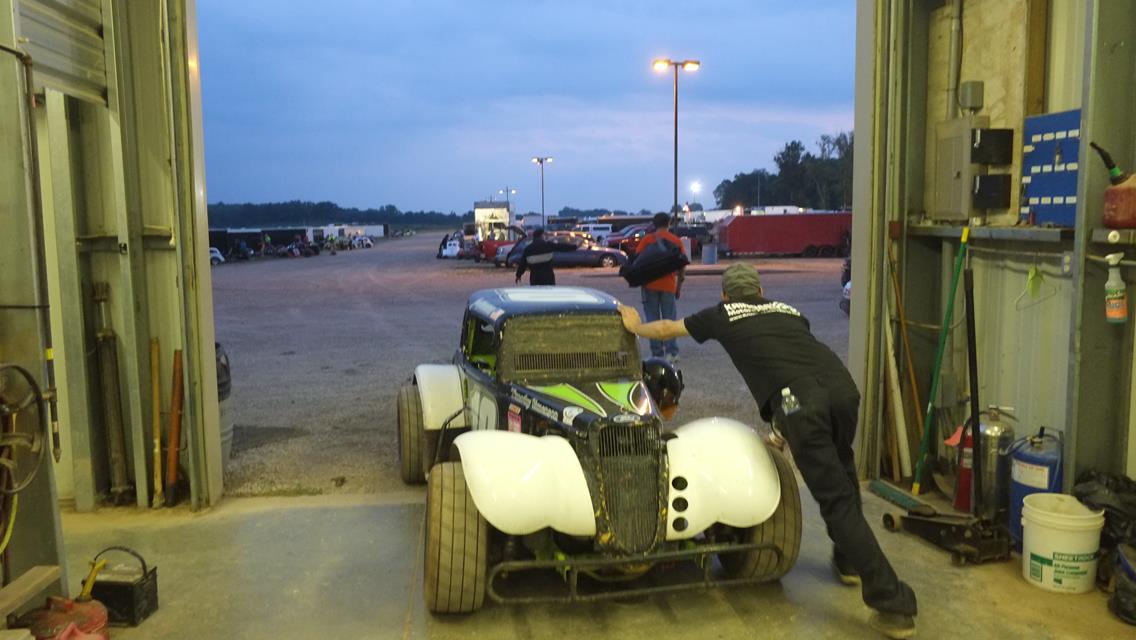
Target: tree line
821	180
314	214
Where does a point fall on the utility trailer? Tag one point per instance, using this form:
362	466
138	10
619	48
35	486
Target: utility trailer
807	234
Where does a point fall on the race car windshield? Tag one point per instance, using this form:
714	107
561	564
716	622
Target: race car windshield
542	349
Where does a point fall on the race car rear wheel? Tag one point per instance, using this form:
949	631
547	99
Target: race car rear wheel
415	444
782	529
457	543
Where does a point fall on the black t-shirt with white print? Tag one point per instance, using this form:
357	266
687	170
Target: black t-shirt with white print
769	343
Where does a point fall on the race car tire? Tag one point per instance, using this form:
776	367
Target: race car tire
783	529
456	546
414	450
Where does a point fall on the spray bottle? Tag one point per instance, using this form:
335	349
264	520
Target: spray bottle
1115	292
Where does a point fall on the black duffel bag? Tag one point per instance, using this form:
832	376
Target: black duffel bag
660	258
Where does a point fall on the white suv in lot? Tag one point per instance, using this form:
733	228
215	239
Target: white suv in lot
215	256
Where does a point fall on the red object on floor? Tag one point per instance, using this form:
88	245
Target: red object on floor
55	621
962	485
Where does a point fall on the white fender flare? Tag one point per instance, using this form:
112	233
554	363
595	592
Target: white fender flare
727	476
440	389
522	483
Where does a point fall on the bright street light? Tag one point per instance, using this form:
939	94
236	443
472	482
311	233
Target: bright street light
542	160
507	191
660	65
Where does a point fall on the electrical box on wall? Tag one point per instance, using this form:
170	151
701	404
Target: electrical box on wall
1051	154
966	147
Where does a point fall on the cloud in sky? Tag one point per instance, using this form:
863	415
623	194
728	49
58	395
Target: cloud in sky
432	104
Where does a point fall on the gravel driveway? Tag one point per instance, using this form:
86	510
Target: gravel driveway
319	347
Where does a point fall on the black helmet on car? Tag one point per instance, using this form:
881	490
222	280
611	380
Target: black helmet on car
664	382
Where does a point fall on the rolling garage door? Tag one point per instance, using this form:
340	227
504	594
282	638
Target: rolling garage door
65	41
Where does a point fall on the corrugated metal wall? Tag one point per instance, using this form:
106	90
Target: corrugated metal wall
65	38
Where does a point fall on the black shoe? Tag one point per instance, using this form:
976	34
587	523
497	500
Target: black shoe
893	625
846	575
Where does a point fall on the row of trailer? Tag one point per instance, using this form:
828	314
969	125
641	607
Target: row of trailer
809	234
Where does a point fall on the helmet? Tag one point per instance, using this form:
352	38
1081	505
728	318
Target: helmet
664	382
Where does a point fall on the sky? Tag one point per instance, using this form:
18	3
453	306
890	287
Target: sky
433	104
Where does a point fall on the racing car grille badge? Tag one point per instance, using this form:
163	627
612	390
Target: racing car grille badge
629	467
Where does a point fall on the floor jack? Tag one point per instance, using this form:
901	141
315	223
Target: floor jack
969	539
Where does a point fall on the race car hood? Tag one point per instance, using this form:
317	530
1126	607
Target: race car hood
581	405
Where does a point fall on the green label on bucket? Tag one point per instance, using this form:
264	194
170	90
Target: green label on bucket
1074	557
1036	563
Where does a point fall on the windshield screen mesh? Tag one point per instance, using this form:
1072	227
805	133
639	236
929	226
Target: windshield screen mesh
568	348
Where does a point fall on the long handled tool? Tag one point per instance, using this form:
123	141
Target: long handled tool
901	315
156	418
925	443
969	539
112	398
173	445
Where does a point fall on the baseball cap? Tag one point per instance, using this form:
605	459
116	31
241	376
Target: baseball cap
741	280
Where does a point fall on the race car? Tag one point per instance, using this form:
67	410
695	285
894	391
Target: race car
544	450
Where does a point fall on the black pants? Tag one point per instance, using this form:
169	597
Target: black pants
820	436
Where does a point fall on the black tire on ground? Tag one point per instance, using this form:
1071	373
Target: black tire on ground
827	251
783	529
214	261
810	251
607	261
412	438
456	548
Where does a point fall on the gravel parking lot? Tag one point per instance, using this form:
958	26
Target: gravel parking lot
319	347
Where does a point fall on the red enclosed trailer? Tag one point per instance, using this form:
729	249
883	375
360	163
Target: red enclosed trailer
807	234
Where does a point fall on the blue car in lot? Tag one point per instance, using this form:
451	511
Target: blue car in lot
587	254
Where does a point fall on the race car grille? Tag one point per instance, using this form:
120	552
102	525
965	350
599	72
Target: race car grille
576	360
629	473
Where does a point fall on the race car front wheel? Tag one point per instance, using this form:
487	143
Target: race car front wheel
457	543
782	529
415	444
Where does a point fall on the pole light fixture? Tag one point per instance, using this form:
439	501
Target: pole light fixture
507	191
661	65
542	160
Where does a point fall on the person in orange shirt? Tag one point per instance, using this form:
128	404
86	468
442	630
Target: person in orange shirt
660	296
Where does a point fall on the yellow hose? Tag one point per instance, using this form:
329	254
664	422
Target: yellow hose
11	524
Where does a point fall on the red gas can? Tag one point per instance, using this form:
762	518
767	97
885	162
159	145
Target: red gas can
48	623
1120	205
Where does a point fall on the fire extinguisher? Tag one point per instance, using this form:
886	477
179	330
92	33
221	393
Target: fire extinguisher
966	463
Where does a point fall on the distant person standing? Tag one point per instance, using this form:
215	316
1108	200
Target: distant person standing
660	296
537	259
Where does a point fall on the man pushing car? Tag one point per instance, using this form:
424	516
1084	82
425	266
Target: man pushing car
804	389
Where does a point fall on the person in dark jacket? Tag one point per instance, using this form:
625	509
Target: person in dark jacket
537	259
801	385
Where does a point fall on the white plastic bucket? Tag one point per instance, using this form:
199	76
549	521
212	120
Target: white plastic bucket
1060	543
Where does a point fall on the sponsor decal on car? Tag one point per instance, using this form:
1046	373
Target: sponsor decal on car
536	406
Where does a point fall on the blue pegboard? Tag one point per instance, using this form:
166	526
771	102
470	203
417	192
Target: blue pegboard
1051	157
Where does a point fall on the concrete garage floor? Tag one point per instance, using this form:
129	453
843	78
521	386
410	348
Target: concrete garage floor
349	566
329	546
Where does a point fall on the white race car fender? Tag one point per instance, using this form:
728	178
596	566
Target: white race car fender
522	483
440	390
726	475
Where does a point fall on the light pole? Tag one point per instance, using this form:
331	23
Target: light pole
661	65
542	160
507	191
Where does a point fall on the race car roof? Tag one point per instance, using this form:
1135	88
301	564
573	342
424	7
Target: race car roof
496	305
